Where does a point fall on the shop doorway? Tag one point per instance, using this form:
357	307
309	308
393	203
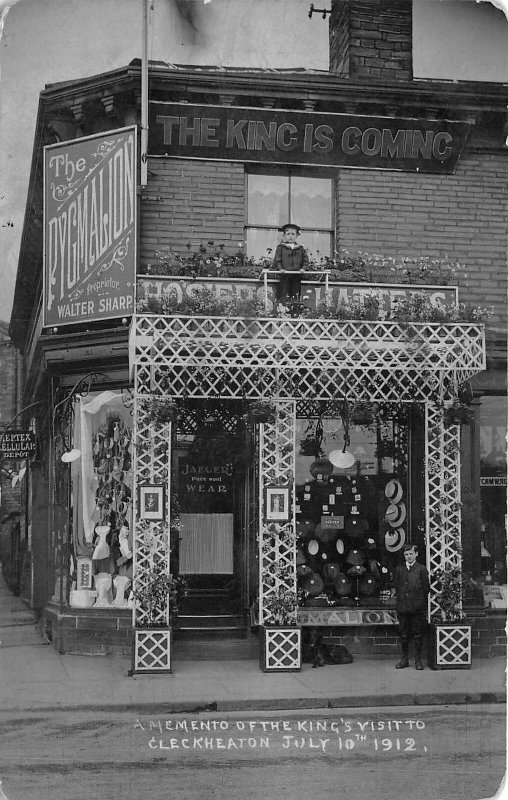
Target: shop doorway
211	506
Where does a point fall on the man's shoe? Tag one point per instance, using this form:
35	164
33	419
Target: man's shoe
418	663
403	663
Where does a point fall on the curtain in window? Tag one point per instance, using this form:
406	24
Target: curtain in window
206	545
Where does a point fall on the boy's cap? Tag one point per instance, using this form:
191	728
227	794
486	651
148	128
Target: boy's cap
409	547
284	228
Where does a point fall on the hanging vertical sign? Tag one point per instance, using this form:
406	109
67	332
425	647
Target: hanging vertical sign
90	228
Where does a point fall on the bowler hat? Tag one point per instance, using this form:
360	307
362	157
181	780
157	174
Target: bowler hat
343	586
331	572
357	570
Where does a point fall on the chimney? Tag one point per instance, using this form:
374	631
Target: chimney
372	39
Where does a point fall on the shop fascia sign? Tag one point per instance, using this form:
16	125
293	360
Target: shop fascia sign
90	228
17	444
279	136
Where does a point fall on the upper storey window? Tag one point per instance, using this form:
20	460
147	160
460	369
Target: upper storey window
279	196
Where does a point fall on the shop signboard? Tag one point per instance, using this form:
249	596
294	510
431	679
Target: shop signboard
281	136
313	293
90	228
18	444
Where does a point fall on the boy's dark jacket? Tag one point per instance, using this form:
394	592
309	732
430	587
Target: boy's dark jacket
411	587
290	258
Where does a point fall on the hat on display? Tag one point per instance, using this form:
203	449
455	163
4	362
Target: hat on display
370	543
355	557
357	570
341	459
300	557
356	527
284	228
313	584
313	547
393	491
343	585
303	570
395	515
395	539
331	572
339	546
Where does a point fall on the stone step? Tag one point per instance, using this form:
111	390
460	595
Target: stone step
245	649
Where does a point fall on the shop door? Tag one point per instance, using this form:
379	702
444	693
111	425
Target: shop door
209	499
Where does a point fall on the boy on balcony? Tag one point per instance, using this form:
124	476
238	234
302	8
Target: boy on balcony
290	256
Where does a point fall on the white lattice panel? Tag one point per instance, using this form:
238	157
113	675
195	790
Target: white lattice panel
453	646
443	499
282	649
152	650
152	452
295	358
277	543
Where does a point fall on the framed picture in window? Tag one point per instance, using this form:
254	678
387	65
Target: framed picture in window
152	501
277	503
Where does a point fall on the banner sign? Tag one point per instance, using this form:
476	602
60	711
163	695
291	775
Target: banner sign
18	444
279	136
90	228
312	294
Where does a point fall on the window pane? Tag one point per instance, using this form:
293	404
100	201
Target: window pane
259	240
316	244
267	199
311	202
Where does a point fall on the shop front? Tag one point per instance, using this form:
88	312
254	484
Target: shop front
348	453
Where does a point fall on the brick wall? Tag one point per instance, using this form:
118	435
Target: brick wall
199	201
371	39
460	215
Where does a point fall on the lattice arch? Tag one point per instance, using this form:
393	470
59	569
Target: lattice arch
291	360
277	548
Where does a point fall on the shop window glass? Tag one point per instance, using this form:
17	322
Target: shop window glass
273	199
352	522
101	502
493	482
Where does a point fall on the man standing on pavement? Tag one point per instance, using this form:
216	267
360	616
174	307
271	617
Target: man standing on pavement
411	584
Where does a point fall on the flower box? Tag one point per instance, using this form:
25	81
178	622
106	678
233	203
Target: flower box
280	648
152	650
449	645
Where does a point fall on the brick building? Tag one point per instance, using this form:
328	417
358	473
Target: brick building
364	159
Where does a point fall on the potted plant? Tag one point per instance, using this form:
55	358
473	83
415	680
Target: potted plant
156	595
450	633
280	649
261	411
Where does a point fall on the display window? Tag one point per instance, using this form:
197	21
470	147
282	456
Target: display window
493	484
294	195
101	503
353	503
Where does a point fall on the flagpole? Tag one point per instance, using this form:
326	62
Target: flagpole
144	96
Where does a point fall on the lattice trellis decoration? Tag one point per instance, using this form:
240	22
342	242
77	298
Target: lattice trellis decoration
152	453
281	650
452	646
277	547
308	360
443	499
152	651
298	358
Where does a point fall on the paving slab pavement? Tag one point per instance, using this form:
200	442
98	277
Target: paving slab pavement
35	677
